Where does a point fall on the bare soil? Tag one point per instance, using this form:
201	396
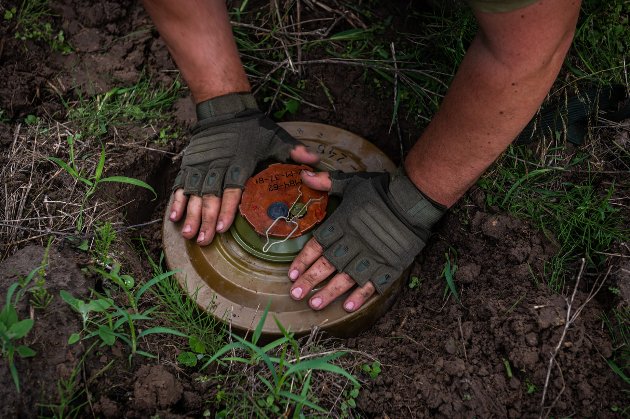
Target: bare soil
487	356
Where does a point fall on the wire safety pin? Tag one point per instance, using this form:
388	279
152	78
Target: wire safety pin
289	220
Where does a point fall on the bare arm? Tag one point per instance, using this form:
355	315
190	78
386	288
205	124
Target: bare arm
199	37
503	79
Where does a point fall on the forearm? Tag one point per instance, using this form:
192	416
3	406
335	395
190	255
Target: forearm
199	37
492	97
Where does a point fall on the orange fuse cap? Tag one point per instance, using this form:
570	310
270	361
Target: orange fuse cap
278	192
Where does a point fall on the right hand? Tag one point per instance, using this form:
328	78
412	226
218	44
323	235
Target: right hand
231	137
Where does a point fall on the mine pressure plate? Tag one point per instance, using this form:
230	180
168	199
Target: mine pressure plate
244	271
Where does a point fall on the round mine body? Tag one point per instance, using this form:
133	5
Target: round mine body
244	271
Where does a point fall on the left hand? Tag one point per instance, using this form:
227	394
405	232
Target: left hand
380	226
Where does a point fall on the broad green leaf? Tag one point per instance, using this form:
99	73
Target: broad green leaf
10	293
25	351
130	181
70	299
276	343
106	335
139	316
8	316
14	375
323	365
74	338
223	350
20	329
196	345
99	305
187	358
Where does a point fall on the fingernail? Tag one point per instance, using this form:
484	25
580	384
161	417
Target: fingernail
200	237
187	229
349	306
296	292
173	215
309	173
316	302
294	274
220	226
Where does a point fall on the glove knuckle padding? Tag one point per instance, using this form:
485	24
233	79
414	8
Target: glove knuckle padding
368	237
231	137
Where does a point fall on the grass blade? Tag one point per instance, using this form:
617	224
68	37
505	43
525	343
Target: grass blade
130	181
161	329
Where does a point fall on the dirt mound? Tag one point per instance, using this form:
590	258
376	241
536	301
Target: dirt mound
488	356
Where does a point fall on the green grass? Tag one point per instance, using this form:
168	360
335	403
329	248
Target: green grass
602	42
33	22
91	178
618	325
572	205
143	102
416	66
283	369
283	374
13	330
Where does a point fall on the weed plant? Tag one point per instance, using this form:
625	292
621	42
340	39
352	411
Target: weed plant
103	318
91	180
285	373
70	395
178	306
32	22
104	237
12	330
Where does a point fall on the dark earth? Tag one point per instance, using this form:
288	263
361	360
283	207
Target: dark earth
485	357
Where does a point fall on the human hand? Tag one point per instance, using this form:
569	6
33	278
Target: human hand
382	223
231	137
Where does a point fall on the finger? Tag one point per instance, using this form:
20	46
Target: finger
358	297
193	217
309	254
302	154
229	206
335	288
319	181
209	211
178	207
317	273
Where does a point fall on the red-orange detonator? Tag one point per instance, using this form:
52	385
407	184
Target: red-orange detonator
275	200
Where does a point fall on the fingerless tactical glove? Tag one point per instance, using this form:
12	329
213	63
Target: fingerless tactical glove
382	223
231	137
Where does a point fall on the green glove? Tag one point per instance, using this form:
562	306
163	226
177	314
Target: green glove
382	223
231	137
